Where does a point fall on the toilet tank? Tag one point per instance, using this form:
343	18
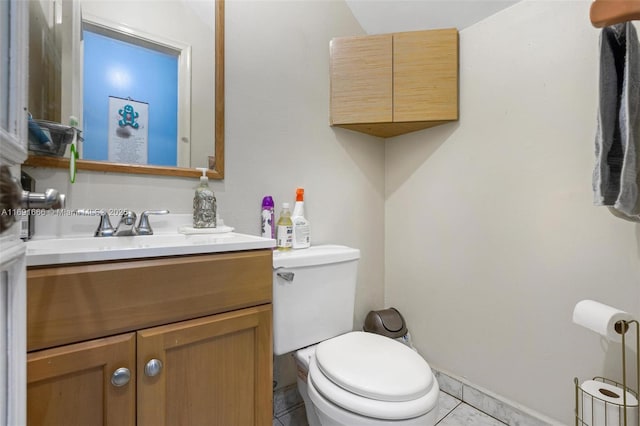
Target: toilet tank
313	295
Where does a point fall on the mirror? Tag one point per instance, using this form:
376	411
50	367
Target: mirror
55	96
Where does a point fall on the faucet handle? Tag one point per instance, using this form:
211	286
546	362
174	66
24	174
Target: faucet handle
144	227
105	229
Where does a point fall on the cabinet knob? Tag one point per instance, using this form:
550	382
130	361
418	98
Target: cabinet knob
153	367
120	377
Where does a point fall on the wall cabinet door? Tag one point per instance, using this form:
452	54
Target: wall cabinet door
425	73
361	79
214	370
72	385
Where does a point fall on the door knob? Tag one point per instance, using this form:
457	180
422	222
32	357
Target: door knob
153	367
120	377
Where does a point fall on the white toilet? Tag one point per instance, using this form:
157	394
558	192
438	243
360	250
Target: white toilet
346	378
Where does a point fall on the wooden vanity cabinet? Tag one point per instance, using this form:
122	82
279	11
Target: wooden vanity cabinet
391	84
194	333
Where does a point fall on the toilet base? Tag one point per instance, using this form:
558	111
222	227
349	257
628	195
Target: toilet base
309	408
329	414
323	419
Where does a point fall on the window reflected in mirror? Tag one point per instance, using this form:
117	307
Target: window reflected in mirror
130	101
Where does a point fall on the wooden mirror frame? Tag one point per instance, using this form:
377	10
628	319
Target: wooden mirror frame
218	169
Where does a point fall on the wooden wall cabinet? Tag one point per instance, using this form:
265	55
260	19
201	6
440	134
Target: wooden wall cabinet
391	84
197	350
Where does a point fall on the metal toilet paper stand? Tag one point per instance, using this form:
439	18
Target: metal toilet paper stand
587	419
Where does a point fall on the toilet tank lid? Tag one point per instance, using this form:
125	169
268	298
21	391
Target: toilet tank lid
314	255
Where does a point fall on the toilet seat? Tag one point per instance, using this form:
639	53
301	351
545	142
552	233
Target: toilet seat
381	407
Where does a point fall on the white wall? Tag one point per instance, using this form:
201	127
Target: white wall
491	236
277	138
379	17
277	109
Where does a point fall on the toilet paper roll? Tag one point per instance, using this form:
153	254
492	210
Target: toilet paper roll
600	318
602	405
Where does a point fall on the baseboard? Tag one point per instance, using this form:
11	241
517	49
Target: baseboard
494	405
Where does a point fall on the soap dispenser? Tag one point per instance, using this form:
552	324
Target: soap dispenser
204	203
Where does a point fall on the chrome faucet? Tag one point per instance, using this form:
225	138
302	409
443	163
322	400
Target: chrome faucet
127	224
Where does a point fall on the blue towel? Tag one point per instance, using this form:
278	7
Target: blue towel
617	144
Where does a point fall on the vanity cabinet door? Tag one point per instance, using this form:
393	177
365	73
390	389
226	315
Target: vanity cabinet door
72	384
214	370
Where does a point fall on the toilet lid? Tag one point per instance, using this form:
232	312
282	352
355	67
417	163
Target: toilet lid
374	366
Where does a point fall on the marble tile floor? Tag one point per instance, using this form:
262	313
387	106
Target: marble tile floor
452	412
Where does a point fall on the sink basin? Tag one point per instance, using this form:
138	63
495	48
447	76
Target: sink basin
92	249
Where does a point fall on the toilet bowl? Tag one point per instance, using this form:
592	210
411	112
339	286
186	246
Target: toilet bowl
365	379
346	378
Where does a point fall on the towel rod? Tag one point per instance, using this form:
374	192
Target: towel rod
610	12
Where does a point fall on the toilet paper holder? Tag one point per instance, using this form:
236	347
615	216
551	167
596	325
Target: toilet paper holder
593	417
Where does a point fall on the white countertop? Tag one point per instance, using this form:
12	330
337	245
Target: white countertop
166	241
93	249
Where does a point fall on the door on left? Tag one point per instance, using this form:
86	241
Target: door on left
13	151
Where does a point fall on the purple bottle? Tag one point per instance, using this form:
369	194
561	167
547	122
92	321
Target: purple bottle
267	218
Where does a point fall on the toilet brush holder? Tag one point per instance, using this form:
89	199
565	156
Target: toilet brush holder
605	402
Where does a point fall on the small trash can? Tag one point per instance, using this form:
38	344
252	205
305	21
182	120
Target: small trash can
390	323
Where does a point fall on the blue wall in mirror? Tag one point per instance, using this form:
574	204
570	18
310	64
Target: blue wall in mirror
119	69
